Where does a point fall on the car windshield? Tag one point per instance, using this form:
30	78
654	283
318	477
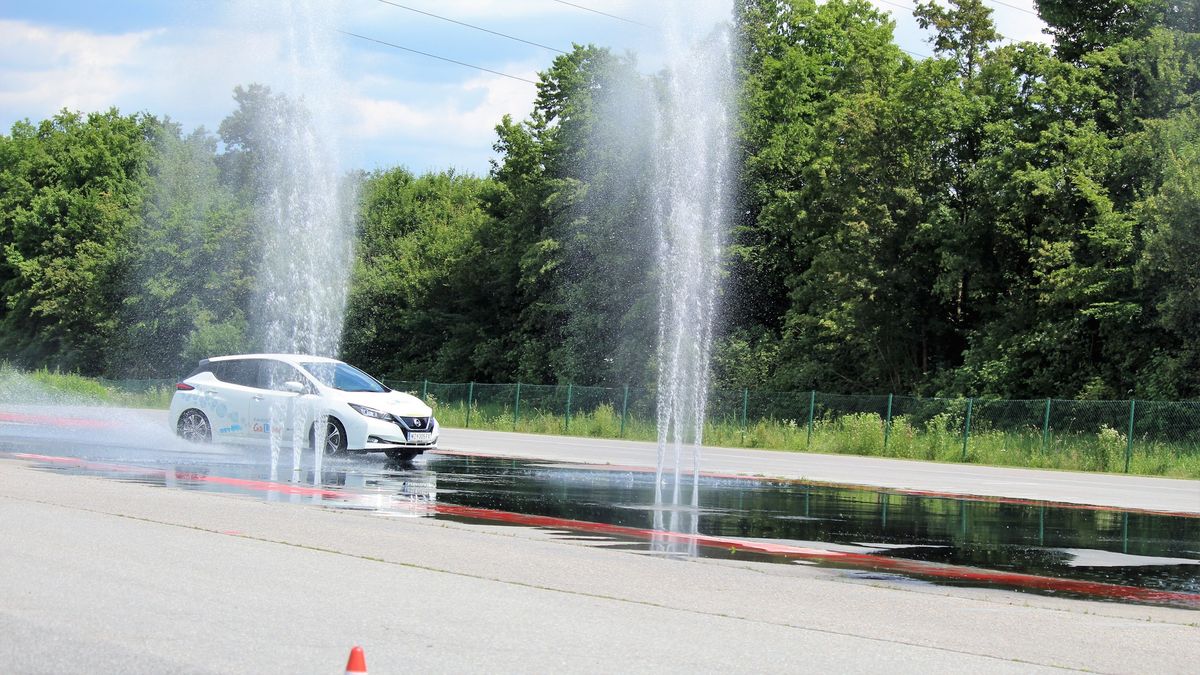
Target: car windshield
343	376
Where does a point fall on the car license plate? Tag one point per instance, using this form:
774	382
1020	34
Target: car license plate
416	437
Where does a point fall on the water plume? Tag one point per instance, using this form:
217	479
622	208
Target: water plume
691	203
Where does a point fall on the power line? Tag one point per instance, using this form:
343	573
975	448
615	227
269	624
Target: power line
596	11
435	56
1019	9
461	23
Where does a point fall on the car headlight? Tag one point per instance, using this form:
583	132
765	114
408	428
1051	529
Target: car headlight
371	412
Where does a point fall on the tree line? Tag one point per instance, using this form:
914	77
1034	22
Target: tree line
999	219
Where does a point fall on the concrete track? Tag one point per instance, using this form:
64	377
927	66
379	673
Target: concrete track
1127	492
105	576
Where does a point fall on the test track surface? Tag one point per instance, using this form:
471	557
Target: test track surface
110	576
918	568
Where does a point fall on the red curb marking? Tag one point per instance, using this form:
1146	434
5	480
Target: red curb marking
51	420
868	560
261	485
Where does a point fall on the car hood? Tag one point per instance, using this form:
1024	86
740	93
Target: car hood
394	402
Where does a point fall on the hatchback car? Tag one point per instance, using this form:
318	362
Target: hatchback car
293	399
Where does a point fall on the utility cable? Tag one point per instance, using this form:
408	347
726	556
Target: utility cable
1019	9
461	23
435	56
596	11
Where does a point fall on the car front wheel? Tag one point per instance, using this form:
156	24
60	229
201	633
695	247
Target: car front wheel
334	439
193	426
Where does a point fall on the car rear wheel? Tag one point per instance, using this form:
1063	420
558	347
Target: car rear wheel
334	439
193	426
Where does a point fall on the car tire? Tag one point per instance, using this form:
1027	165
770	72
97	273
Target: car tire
402	455
334	438
193	426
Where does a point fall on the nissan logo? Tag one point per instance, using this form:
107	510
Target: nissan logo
417	421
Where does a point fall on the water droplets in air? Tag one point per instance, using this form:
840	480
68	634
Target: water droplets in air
303	205
692	141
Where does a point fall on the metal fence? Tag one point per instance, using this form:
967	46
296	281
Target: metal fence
1099	435
1152	437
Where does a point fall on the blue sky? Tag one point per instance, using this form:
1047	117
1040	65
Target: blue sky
386	107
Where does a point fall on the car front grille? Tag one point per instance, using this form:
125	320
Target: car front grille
416	423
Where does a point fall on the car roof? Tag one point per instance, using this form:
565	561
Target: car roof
288	358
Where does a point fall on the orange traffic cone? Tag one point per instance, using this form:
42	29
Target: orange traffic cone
357	665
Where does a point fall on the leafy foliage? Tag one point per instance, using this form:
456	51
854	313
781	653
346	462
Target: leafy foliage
1014	220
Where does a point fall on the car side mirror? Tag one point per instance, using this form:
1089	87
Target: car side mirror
293	386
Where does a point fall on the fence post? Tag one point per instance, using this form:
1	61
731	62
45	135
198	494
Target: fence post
424	389
812	404
1129	443
570	388
967	428
1046	427
470	402
745	407
624	410
887	425
517	407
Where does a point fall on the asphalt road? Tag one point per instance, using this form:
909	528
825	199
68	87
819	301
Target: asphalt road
108	576
1116	490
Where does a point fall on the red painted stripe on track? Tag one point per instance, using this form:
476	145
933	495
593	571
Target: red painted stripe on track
847	486
52	420
868	560
259	485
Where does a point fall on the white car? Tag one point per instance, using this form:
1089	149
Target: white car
287	398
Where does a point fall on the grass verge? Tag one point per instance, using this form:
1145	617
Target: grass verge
863	434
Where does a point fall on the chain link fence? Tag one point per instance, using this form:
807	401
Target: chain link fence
1152	437
1146	437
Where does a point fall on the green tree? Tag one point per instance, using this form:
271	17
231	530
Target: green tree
72	188
189	261
412	310
1080	27
1170	268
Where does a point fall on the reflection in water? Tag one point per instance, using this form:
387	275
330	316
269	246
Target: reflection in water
1158	551
1135	549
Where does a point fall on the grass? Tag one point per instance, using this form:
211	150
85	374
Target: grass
46	387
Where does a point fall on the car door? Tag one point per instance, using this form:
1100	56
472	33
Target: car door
274	411
228	404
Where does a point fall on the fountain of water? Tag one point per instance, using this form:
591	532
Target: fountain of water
691	204
302	209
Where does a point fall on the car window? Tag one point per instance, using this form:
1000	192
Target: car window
243	372
343	376
272	375
205	366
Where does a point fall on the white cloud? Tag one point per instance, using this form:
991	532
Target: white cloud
457	117
48	68
429	112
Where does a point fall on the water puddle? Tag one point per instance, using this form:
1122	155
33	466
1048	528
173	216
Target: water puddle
872	535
